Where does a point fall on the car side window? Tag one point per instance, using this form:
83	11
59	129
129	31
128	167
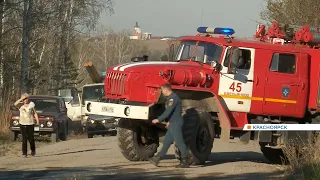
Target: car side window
283	63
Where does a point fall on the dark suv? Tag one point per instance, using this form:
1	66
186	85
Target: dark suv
53	119
101	125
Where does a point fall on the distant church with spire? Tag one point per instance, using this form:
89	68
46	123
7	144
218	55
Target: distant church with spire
138	35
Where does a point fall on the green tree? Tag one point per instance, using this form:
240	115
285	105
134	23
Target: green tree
296	12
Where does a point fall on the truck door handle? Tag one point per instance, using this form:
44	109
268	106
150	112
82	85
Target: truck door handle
298	85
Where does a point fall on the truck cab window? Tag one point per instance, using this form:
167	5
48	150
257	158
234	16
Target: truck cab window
205	52
244	59
283	63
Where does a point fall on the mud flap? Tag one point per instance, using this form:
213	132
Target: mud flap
262	136
225	134
224	119
245	138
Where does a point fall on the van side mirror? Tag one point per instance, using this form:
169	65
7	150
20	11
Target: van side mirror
74	92
234	60
171	52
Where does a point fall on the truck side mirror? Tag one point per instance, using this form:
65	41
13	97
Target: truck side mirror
234	60
171	52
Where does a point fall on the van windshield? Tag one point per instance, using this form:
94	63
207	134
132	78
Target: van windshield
93	93
204	52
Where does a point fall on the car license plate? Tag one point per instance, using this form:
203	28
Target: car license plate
107	109
36	128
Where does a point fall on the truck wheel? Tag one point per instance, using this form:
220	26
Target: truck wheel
13	136
133	146
275	156
198	132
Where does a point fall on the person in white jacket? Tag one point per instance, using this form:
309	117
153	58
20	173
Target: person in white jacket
26	121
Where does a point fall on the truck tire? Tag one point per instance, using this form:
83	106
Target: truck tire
274	156
199	133
13	136
131	146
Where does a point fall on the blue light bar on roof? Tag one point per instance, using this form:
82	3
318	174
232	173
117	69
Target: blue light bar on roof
224	31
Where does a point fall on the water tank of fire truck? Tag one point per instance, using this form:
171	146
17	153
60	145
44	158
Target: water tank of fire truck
139	59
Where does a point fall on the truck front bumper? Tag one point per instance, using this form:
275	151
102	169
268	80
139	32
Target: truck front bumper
17	128
119	110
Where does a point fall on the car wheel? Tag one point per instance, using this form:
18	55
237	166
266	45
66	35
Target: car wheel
113	133
90	135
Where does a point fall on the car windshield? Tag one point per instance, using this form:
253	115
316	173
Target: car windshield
204	52
93	93
45	105
65	94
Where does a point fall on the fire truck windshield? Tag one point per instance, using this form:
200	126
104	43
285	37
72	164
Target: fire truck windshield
204	52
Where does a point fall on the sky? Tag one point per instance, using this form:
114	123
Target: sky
183	17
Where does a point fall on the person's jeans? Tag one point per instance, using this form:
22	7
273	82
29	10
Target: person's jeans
27	133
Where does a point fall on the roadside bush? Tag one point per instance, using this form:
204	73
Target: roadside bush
4	143
304	161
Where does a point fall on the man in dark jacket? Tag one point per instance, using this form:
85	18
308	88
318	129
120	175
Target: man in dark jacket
175	122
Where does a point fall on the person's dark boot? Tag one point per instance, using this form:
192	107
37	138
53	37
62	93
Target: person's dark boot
155	160
33	153
183	163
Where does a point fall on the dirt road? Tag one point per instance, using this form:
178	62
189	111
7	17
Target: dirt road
100	158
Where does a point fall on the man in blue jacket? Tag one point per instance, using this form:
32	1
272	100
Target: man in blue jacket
175	122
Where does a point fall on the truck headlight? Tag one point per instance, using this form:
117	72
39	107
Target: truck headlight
127	111
103	121
15	122
49	123
89	107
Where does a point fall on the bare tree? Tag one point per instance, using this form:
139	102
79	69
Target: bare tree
115	47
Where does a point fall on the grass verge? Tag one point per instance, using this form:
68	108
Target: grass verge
304	161
5	144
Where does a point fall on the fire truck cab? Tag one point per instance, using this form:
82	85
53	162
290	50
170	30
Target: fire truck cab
224	83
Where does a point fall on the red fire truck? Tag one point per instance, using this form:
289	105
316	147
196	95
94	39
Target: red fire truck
224	83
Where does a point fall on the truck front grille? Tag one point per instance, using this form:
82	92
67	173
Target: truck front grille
116	83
